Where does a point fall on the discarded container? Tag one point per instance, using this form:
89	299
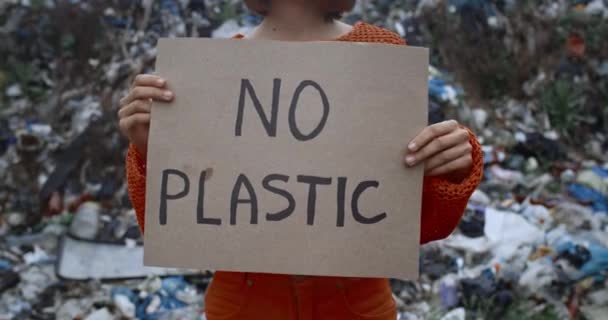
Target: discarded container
86	221
448	292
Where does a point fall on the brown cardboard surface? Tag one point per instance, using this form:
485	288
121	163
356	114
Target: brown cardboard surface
375	99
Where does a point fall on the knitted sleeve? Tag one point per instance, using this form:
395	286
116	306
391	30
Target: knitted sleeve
364	32
136	182
443	201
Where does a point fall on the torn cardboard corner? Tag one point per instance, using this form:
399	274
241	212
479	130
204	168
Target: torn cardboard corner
286	158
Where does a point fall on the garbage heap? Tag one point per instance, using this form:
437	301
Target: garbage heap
530	77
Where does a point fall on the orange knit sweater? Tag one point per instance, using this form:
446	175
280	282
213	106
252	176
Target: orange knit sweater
443	200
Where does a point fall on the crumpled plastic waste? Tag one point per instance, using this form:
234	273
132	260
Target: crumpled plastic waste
590	260
537	275
442	88
157	301
584	194
456	314
596	179
521	232
472	223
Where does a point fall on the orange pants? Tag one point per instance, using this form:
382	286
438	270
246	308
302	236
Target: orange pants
235	295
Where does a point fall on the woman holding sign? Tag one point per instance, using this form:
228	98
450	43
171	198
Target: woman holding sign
449	152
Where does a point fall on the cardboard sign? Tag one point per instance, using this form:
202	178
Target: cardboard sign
282	157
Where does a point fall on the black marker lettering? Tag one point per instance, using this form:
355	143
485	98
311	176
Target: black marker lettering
355	204
200	206
292	202
164	196
312	194
269	125
235	200
293	126
341	199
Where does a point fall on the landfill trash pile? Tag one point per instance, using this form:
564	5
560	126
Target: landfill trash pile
530	77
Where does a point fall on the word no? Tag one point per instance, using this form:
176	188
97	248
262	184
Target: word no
270	125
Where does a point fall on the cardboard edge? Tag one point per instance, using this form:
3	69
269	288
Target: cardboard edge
163	42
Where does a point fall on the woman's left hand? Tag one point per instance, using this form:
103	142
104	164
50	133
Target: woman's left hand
444	148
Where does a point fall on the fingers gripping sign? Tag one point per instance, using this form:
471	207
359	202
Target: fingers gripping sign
134	111
443	148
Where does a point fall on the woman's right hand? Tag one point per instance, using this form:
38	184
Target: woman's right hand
134	113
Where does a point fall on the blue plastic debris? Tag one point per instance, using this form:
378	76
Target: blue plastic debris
120	290
5	265
585	194
590	260
167	294
170	6
438	89
600	171
597	264
172	285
